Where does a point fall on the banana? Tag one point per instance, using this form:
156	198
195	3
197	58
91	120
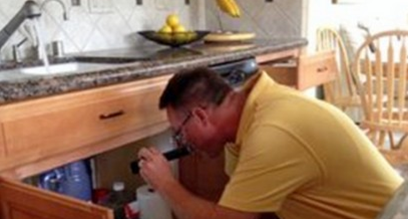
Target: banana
234	9
237	11
230	7
222	5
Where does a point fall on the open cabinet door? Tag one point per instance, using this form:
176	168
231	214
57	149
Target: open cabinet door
20	201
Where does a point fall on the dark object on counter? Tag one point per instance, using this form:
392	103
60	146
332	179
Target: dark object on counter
174	39
169	155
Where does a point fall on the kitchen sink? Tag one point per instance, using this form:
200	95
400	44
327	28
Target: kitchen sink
69	67
63	67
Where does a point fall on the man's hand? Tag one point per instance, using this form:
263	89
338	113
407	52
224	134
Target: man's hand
154	168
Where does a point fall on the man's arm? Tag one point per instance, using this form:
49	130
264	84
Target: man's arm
155	169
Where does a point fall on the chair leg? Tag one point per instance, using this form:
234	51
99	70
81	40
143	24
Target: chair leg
403	142
392	141
381	139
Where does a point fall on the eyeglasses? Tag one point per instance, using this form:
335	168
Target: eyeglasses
178	136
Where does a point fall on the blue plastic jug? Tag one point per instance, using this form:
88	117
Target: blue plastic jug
72	180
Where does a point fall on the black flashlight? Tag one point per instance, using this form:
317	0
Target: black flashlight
169	155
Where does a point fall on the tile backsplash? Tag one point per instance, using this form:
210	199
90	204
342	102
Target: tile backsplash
111	25
114	23
280	18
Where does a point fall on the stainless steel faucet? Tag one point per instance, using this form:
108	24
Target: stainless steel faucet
64	8
29	10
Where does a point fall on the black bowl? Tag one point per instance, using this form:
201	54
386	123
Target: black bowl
174	39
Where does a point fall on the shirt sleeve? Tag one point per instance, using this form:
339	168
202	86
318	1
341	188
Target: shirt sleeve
273	164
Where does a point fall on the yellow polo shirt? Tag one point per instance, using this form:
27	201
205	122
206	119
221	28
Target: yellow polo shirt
302	158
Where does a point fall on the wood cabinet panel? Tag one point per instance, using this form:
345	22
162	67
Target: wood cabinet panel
2	143
43	128
19	201
203	176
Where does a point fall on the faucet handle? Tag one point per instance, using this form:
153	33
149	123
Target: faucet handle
16	51
21	42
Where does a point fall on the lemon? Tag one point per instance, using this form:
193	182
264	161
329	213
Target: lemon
180	37
165	29
165	37
179	29
191	35
172	20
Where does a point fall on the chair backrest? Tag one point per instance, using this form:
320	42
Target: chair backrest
380	69
340	91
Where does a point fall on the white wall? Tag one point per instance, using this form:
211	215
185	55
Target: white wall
318	14
378	15
86	30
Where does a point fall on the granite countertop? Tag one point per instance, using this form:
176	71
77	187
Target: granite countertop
124	65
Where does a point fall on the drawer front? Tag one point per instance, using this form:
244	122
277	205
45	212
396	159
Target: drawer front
316	69
59	126
77	126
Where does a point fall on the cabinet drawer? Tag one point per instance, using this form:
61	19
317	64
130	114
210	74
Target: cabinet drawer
308	71
38	129
316	69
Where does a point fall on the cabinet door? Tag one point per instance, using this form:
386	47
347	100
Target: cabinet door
19	201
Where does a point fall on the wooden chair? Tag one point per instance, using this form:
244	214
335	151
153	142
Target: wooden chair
381	75
341	92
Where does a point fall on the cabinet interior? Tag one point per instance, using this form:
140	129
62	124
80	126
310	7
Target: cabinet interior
113	165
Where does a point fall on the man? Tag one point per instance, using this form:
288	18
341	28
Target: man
291	155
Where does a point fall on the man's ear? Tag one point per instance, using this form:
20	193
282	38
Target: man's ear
201	114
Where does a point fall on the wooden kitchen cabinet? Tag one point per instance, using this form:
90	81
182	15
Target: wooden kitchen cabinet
41	134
